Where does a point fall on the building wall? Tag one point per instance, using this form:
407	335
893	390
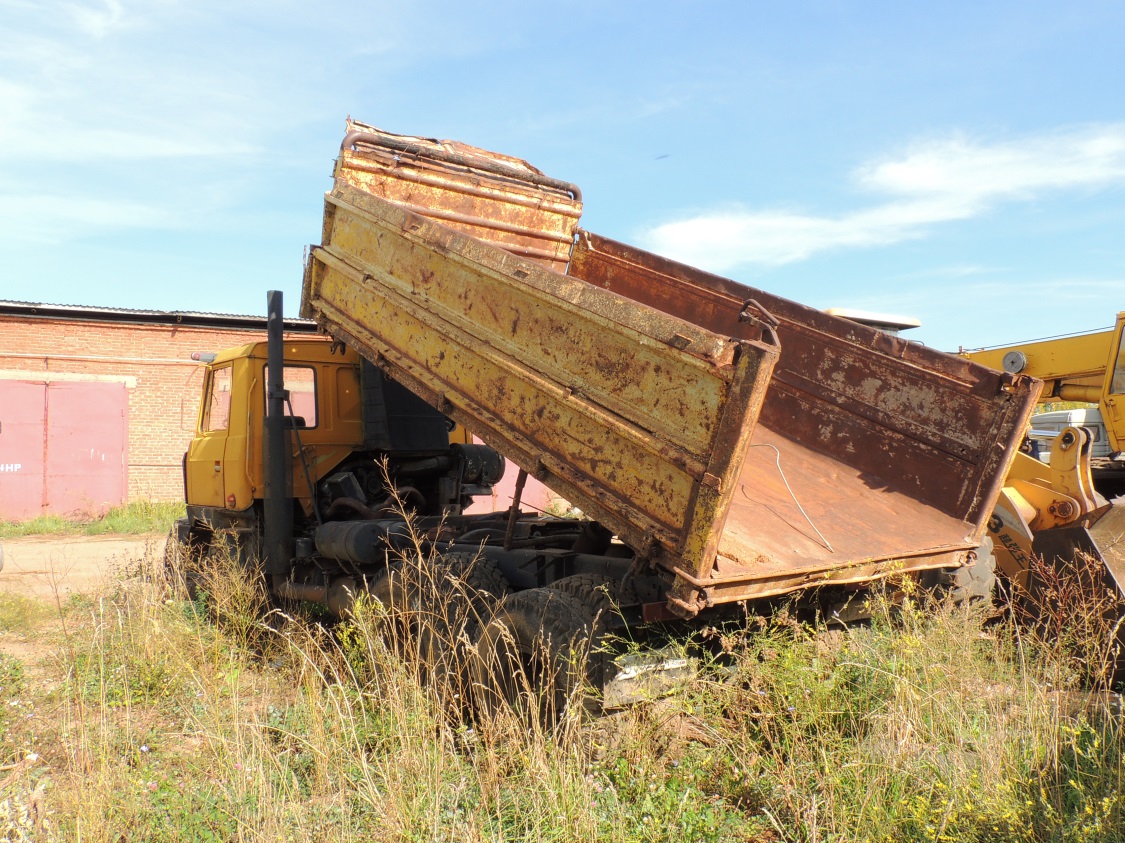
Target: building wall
153	361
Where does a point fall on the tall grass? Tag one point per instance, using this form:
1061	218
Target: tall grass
135	518
160	718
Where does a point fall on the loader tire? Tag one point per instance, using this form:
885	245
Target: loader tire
971	583
535	657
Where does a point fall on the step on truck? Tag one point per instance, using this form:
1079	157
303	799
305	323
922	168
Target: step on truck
726	447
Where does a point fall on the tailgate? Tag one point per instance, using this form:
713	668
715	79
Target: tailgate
497	199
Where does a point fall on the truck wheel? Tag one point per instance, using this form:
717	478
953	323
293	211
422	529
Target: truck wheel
475	576
436	611
535	655
181	560
600	594
174	549
970	583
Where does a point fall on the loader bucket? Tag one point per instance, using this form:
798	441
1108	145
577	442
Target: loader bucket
1078	591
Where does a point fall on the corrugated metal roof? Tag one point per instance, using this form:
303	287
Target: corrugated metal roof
150	317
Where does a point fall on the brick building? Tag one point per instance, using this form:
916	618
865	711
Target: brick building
97	405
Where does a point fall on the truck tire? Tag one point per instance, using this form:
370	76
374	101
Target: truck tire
477	576
174	548
971	583
456	587
435	611
181	560
535	656
600	594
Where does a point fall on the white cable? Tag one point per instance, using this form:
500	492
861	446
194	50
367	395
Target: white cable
785	480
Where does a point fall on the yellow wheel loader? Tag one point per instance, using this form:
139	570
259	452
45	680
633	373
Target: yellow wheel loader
1063	509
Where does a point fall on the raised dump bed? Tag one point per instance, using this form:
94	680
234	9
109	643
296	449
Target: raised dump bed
636	387
871	454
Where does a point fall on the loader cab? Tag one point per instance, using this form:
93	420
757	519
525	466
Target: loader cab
1113	399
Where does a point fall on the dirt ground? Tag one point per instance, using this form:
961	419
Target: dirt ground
63	565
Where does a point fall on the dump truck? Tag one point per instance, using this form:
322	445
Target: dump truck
726	447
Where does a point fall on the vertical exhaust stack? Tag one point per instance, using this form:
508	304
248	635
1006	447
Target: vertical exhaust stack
278	505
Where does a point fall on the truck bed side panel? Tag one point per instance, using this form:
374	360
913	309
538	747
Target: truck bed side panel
638	417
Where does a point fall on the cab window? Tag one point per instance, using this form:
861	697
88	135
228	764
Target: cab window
1117	385
300	381
216	416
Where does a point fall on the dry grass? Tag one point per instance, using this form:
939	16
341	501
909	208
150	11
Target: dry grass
147	716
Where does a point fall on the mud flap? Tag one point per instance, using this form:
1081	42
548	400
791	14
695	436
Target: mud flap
647	675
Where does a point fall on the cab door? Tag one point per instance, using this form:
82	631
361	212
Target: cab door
1113	400
206	454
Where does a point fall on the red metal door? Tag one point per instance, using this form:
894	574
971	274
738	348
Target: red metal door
62	447
23	415
87	429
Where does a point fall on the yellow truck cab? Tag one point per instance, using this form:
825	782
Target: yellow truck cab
353	435
224	467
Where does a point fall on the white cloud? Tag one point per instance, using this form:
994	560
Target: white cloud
934	182
100	145
97	19
46	219
97	81
978	174
104	99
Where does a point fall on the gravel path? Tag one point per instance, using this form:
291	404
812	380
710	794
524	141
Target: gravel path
44	566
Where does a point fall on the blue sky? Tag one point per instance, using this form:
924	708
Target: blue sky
963	163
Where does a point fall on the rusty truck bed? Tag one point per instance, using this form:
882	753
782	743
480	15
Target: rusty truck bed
871	453
636	387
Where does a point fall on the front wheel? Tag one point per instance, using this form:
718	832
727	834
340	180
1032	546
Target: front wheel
181	560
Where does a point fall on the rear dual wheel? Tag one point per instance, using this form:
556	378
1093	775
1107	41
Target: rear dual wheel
536	656
434	612
600	595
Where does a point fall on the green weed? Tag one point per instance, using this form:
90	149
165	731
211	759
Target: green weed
136	518
161	718
21	614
